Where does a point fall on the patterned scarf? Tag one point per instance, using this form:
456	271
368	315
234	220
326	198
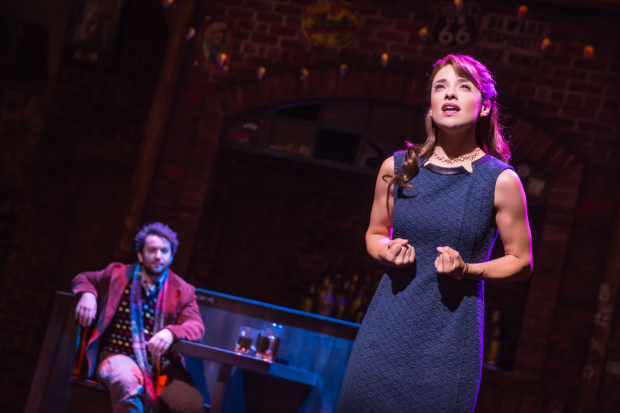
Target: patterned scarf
151	370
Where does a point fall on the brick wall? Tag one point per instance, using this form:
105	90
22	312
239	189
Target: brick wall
68	216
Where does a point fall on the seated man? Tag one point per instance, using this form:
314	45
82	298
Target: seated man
144	307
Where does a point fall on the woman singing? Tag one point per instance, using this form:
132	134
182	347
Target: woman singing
419	348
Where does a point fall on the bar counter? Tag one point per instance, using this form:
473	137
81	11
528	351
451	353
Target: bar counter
317	349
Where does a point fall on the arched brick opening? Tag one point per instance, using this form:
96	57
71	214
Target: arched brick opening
539	147
280	89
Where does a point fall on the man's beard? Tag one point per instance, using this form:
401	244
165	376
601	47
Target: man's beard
152	273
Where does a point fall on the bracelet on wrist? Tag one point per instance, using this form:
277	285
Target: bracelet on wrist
465	271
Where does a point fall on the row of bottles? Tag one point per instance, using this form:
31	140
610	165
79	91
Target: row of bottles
339	297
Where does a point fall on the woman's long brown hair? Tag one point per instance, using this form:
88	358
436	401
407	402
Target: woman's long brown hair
489	134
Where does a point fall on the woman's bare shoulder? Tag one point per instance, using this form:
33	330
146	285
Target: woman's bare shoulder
508	188
387	167
508	180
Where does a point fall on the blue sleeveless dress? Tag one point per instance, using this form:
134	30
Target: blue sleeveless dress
419	348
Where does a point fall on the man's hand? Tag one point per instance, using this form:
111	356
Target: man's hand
86	309
161	341
449	262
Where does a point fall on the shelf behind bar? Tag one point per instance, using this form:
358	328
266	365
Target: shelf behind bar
245	362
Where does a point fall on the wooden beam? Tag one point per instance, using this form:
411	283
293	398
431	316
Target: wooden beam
181	14
599	339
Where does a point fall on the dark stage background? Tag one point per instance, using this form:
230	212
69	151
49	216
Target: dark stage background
265	225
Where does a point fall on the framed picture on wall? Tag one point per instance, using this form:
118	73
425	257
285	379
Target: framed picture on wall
215	43
92	29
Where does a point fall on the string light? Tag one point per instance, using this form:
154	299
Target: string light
385	59
522	11
423	33
459	5
588	52
260	72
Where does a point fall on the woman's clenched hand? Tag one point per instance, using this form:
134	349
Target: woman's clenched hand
398	253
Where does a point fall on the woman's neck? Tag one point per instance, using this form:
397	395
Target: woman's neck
455	144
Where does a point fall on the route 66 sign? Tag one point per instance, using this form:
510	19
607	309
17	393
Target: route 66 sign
456	27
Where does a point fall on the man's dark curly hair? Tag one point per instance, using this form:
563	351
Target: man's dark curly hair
157	228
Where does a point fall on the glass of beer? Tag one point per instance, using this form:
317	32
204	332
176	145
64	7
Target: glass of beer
268	341
245	340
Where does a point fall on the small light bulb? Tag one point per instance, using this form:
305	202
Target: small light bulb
384	59
588	51
423	33
260	72
304	74
222	59
522	11
190	33
343	69
545	44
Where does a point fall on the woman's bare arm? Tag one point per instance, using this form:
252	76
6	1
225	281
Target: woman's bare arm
397	252
514	230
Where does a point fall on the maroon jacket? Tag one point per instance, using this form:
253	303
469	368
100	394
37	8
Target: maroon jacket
181	315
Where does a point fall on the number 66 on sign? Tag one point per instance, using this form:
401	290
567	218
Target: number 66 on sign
454	27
